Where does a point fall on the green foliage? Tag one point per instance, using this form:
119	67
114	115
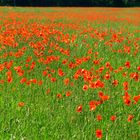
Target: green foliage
117	3
125	2
6	2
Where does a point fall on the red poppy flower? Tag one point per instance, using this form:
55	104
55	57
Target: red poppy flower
23	80
9	73
99	84
21	104
1	67
44	73
138	68
136	98
115	82
99	117
40	82
127	64
113	118
107	64
107	76
1	81
135	76
33	81
130	117
102	96
125	85
79	108
68	93
126	98
9	79
66	81
60	72
85	87
101	69
92	107
99	133
53	79
127	101
48	91
96	62
64	61
59	95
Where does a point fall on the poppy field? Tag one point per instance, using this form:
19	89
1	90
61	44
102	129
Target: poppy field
69	73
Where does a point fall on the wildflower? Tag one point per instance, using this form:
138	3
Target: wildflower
85	87
130	117
135	76
21	104
102	96
53	79
9	79
1	67
115	82
48	91
101	69
136	98
60	72
64	61
113	118
99	133
44	73
66	81
99	117
107	64
1	81
68	93
96	62
40	82
9	73
125	85
33	81
92	105
23	80
99	84
127	64
79	108
124	74
107	76
59	95
126	99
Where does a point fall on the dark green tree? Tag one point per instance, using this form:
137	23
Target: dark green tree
118	3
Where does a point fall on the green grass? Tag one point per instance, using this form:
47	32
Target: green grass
45	116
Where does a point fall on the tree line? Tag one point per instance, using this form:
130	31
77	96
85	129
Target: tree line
115	3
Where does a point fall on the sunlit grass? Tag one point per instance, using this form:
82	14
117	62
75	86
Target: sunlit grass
62	67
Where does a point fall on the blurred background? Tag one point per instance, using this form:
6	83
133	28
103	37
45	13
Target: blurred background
80	3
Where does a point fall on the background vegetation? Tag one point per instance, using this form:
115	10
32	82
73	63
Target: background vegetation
115	3
69	73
